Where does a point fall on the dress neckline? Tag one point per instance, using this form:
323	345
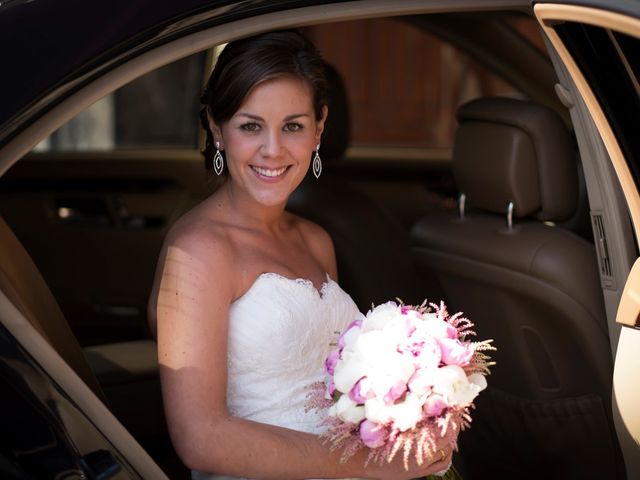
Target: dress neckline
304	282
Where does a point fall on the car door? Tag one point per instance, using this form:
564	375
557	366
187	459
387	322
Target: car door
597	46
103	190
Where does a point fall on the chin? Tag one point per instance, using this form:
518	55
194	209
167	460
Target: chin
271	200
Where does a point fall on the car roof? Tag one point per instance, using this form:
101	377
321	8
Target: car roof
66	43
57	42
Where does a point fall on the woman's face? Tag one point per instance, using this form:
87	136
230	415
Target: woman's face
269	141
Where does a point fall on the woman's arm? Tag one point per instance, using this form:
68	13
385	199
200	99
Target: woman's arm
192	323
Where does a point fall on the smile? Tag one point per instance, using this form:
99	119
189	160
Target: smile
269	172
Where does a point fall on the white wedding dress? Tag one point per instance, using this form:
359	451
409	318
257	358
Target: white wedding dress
280	332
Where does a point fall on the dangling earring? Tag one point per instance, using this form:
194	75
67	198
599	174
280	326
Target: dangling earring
218	161
317	163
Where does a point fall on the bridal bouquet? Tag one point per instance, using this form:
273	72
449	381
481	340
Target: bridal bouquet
401	378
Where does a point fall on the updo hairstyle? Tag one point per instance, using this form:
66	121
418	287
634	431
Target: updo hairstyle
247	62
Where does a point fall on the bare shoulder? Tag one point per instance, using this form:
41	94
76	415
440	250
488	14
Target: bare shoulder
319	243
195	256
201	238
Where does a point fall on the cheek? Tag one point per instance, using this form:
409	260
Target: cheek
303	148
238	147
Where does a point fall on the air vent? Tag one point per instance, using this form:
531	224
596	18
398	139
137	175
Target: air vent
604	261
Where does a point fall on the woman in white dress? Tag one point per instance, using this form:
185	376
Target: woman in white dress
245	301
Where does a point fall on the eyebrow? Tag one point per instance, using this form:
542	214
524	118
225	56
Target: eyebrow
260	119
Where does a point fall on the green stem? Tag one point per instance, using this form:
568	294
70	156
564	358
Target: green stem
452	474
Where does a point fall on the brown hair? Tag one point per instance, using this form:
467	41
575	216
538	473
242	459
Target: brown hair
245	63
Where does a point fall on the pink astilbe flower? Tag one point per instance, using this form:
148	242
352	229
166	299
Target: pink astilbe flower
317	398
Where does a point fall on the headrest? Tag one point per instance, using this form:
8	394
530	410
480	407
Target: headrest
509	150
337	133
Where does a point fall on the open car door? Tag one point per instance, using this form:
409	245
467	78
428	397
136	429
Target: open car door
597	49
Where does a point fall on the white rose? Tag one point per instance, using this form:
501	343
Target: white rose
478	380
399	369
349	411
349	337
421	381
349	369
406	414
377	411
379	316
451	382
375	347
434	327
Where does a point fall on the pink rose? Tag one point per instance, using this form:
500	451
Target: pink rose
331	361
331	388
424	350
421	381
438	328
395	392
434	406
345	337
372	434
360	392
404	309
454	352
452	332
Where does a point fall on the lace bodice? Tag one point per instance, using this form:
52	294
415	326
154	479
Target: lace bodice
280	332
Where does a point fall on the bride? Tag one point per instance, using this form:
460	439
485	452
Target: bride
245	301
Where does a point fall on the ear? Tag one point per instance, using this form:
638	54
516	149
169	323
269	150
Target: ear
321	122
215	129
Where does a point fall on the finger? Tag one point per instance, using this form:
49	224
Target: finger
441	460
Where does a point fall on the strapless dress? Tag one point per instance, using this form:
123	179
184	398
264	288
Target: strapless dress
280	332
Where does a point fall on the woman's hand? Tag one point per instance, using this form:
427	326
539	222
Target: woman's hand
395	470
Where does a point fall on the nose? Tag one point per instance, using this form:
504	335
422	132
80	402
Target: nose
272	145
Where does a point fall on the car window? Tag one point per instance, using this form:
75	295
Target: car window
404	85
609	61
159	109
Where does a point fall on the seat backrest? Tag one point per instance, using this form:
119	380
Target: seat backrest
372	248
532	287
24	286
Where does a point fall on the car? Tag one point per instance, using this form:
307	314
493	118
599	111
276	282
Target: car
479	152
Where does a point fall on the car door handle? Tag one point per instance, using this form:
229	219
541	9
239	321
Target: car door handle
83	211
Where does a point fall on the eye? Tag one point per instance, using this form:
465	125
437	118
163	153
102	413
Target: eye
250	127
293	127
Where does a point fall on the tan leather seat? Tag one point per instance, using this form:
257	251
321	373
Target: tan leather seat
372	248
534	288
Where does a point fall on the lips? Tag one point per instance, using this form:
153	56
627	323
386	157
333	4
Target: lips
269	172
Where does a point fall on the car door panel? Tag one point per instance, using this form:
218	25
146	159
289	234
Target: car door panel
564	24
95	229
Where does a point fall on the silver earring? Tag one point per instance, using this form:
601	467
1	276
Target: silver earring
317	163
218	162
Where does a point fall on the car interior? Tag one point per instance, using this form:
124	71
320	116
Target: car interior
489	214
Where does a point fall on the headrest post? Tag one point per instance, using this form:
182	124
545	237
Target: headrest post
510	216
461	208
